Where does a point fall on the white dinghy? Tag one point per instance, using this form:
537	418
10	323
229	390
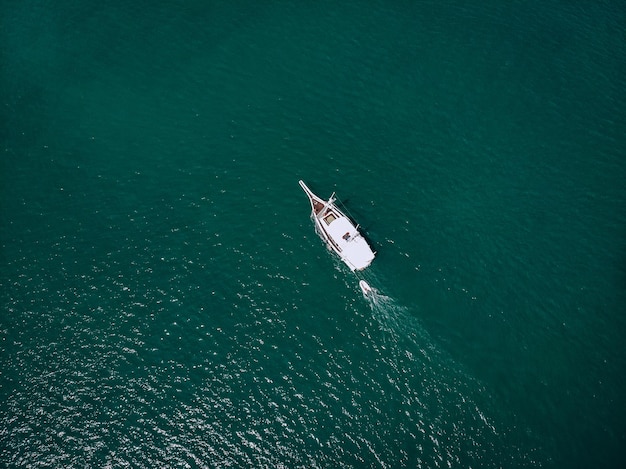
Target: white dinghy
365	287
339	232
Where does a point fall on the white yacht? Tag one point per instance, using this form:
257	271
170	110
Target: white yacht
339	232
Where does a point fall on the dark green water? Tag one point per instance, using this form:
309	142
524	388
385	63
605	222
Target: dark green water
166	301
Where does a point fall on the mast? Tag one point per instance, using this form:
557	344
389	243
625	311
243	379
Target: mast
326	205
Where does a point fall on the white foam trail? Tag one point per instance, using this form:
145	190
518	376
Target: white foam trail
394	319
410	349
386	311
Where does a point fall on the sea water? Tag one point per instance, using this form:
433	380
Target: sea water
167	303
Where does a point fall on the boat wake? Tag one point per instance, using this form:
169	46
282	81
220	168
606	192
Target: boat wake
438	395
394	319
436	390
